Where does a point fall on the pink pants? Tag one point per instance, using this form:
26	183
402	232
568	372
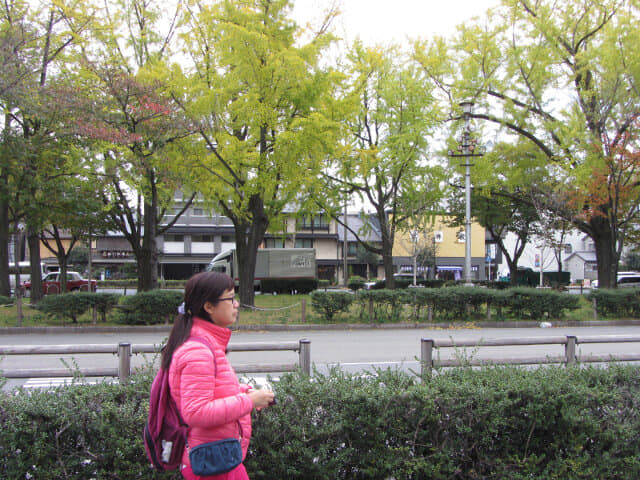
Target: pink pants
238	473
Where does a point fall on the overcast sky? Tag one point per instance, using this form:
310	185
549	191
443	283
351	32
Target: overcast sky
385	21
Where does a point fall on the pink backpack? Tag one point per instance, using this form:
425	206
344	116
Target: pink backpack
165	434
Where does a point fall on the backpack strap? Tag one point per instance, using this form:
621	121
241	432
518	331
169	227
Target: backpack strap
208	344
215	365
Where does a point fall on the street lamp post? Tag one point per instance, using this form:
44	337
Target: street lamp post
414	242
467	147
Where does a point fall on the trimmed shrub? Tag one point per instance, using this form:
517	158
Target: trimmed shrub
5	300
149	308
356	283
104	302
72	305
328	304
534	303
501	423
619	302
67	305
385	305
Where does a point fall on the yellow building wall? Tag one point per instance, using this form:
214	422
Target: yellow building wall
448	247
46	253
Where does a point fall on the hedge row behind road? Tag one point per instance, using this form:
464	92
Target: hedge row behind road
499	423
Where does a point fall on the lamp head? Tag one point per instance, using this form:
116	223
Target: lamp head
467	107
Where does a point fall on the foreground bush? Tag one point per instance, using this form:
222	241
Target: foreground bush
501	423
498	423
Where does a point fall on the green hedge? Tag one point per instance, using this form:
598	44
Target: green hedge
356	283
619	302
534	303
498	423
72	305
458	303
149	308
328	304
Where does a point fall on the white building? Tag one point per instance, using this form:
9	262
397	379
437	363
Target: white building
578	256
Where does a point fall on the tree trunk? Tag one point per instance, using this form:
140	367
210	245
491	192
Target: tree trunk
148	255
5	285
17	256
513	272
33	240
249	236
606	255
64	268
387	262
386	232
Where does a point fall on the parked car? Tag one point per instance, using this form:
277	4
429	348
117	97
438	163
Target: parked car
624	280
51	283
629	281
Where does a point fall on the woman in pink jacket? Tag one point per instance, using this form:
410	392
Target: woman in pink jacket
208	395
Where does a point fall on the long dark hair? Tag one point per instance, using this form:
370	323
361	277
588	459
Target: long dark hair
201	288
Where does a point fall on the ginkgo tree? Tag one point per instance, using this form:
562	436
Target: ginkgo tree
563	75
260	95
390	111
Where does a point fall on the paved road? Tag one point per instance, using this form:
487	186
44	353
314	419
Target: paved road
354	350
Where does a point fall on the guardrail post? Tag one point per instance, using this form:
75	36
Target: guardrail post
304	310
595	308
124	361
426	361
570	350
305	356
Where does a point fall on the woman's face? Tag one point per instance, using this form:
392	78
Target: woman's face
225	312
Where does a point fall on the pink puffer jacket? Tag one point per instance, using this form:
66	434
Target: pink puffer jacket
214	406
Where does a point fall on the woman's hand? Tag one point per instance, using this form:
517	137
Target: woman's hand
261	397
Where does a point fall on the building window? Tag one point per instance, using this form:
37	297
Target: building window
304	243
197	212
273	243
567	248
461	237
172	211
438	237
352	249
202	238
174	238
315	222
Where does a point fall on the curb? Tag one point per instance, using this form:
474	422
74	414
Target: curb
316	327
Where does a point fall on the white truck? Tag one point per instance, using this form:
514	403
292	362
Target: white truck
277	269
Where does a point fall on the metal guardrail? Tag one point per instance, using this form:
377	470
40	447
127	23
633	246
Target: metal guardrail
428	362
124	351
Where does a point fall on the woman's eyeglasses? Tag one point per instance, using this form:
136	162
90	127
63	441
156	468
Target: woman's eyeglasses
230	299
